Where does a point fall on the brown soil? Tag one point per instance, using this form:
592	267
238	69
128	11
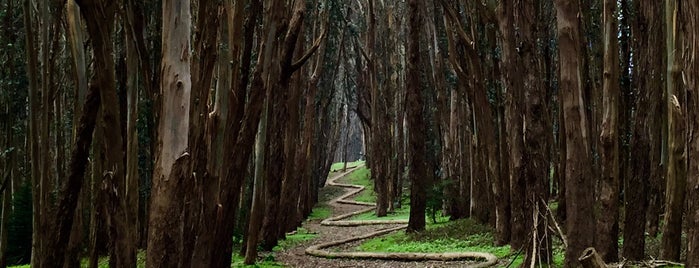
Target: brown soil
297	257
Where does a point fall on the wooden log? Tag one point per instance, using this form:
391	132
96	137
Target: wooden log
591	259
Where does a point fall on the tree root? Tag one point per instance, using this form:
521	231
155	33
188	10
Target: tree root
319	249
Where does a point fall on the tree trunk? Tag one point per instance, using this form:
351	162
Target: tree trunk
645	162
676	139
258	200
131	193
579	181
608	227
71	188
689	17
34	106
419	177
513	118
172	159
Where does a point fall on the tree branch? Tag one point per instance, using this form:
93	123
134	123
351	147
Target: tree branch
300	62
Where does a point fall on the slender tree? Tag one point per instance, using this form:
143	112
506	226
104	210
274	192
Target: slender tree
608	229
419	177
579	181
689	18
676	175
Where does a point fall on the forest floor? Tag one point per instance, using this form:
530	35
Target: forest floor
295	256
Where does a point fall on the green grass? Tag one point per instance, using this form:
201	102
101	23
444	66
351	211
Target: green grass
338	166
320	212
362	176
292	240
266	262
455	236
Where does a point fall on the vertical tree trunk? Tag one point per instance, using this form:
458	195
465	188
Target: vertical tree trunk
513	118
6	192
579	181
131	193
689	18
172	158
258	200
608	227
536	136
417	164
676	139
645	163
33	76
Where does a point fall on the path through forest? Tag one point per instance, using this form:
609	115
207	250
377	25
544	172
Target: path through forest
327	232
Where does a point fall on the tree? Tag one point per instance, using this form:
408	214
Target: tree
418	175
645	142
579	181
608	229
173	159
690	45
676	175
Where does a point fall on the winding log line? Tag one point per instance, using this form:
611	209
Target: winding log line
319	250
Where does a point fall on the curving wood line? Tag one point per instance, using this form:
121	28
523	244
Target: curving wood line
319	250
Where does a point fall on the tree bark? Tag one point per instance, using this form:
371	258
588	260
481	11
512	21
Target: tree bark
689	18
580	223
34	107
173	159
608	227
418	175
645	162
677	151
258	200
513	120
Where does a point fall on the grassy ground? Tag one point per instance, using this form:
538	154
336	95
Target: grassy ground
362	176
453	236
338	166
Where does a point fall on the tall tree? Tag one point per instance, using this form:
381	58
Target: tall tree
676	175
173	158
608	229
648	73
579	181
689	18
417	164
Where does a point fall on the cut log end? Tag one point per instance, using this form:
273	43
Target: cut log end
591	259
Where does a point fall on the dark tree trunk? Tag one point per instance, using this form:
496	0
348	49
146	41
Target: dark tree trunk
647	33
70	191
579	181
689	17
419	177
608	227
